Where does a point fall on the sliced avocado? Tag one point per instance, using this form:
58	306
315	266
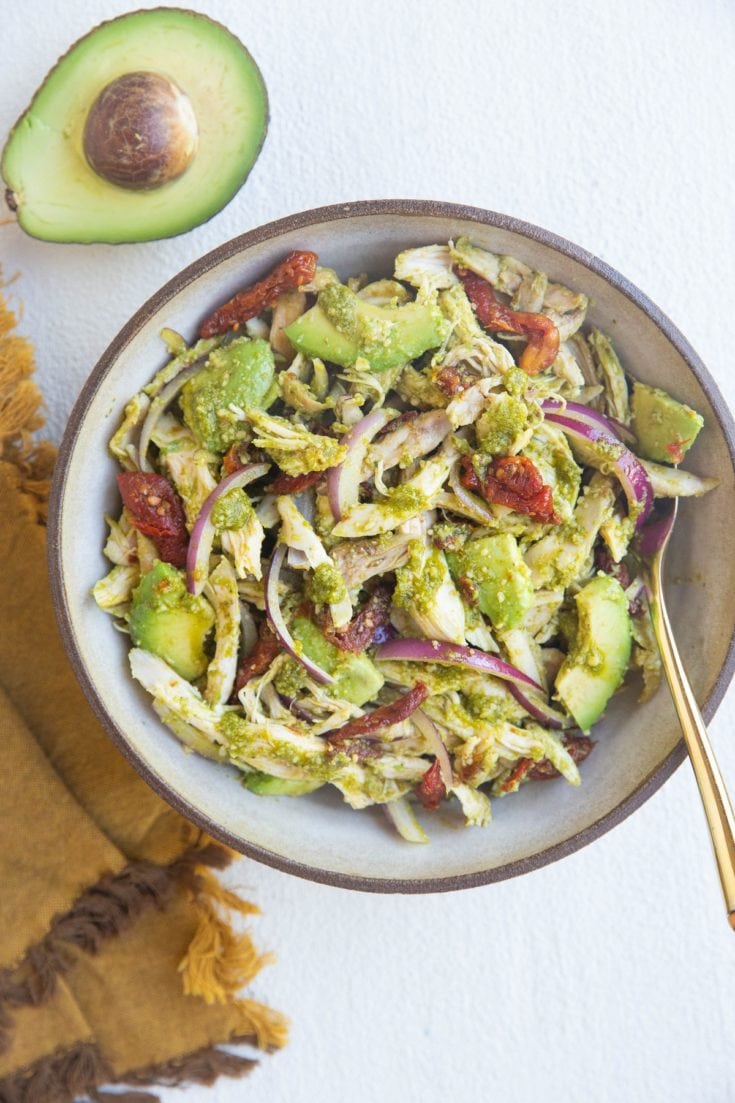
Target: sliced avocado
495	566
265	785
600	653
356	678
666	429
199	108
241	374
341	328
169	622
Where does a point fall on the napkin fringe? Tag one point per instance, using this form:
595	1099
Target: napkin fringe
77	1073
101	912
20	416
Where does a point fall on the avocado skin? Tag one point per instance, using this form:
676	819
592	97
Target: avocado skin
495	565
240	373
61	199
265	785
169	622
356	678
341	328
665	429
599	656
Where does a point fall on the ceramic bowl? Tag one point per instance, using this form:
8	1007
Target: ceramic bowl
317	836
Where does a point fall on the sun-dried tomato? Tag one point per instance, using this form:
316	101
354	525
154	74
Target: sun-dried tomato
156	510
431	790
578	746
382	717
259	659
294	484
467	589
297	269
540	332
360	632
522	767
605	562
232	460
453	380
512	481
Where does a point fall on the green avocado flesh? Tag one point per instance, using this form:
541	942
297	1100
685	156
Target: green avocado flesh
356	679
341	328
502	580
666	429
58	197
265	785
599	657
240	374
169	622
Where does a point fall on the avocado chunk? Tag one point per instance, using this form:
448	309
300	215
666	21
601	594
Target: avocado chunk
199	108
342	328
599	656
265	785
495	566
240	374
666	429
356	678
169	622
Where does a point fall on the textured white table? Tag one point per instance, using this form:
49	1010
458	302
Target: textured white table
609	976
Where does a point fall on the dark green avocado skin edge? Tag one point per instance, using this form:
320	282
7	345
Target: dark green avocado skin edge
10	199
376	208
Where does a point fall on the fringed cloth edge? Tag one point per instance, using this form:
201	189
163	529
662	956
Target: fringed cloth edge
218	962
78	1073
108	908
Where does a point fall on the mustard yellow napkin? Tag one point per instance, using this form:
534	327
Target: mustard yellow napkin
122	957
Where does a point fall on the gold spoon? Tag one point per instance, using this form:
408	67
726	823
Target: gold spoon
717	806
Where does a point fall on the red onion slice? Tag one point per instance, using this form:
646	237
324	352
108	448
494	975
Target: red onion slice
539	709
278	624
627	467
592	417
202	535
158	406
429	730
343	481
435	651
654	535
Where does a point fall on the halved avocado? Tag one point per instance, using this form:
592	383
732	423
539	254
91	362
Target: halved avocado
200	112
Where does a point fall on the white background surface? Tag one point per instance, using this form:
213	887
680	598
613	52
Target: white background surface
610	975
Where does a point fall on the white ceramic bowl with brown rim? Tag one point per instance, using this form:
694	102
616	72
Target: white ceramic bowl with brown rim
318	836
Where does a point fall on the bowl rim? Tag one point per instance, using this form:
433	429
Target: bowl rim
336	212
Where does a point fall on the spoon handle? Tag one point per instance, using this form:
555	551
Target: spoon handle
717	806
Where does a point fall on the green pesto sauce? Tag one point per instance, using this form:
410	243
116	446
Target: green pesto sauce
489	708
290	679
341	307
232	510
235	730
406	498
500	424
327	585
515	382
419	580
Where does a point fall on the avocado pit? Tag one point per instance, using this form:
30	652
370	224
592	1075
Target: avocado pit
141	132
